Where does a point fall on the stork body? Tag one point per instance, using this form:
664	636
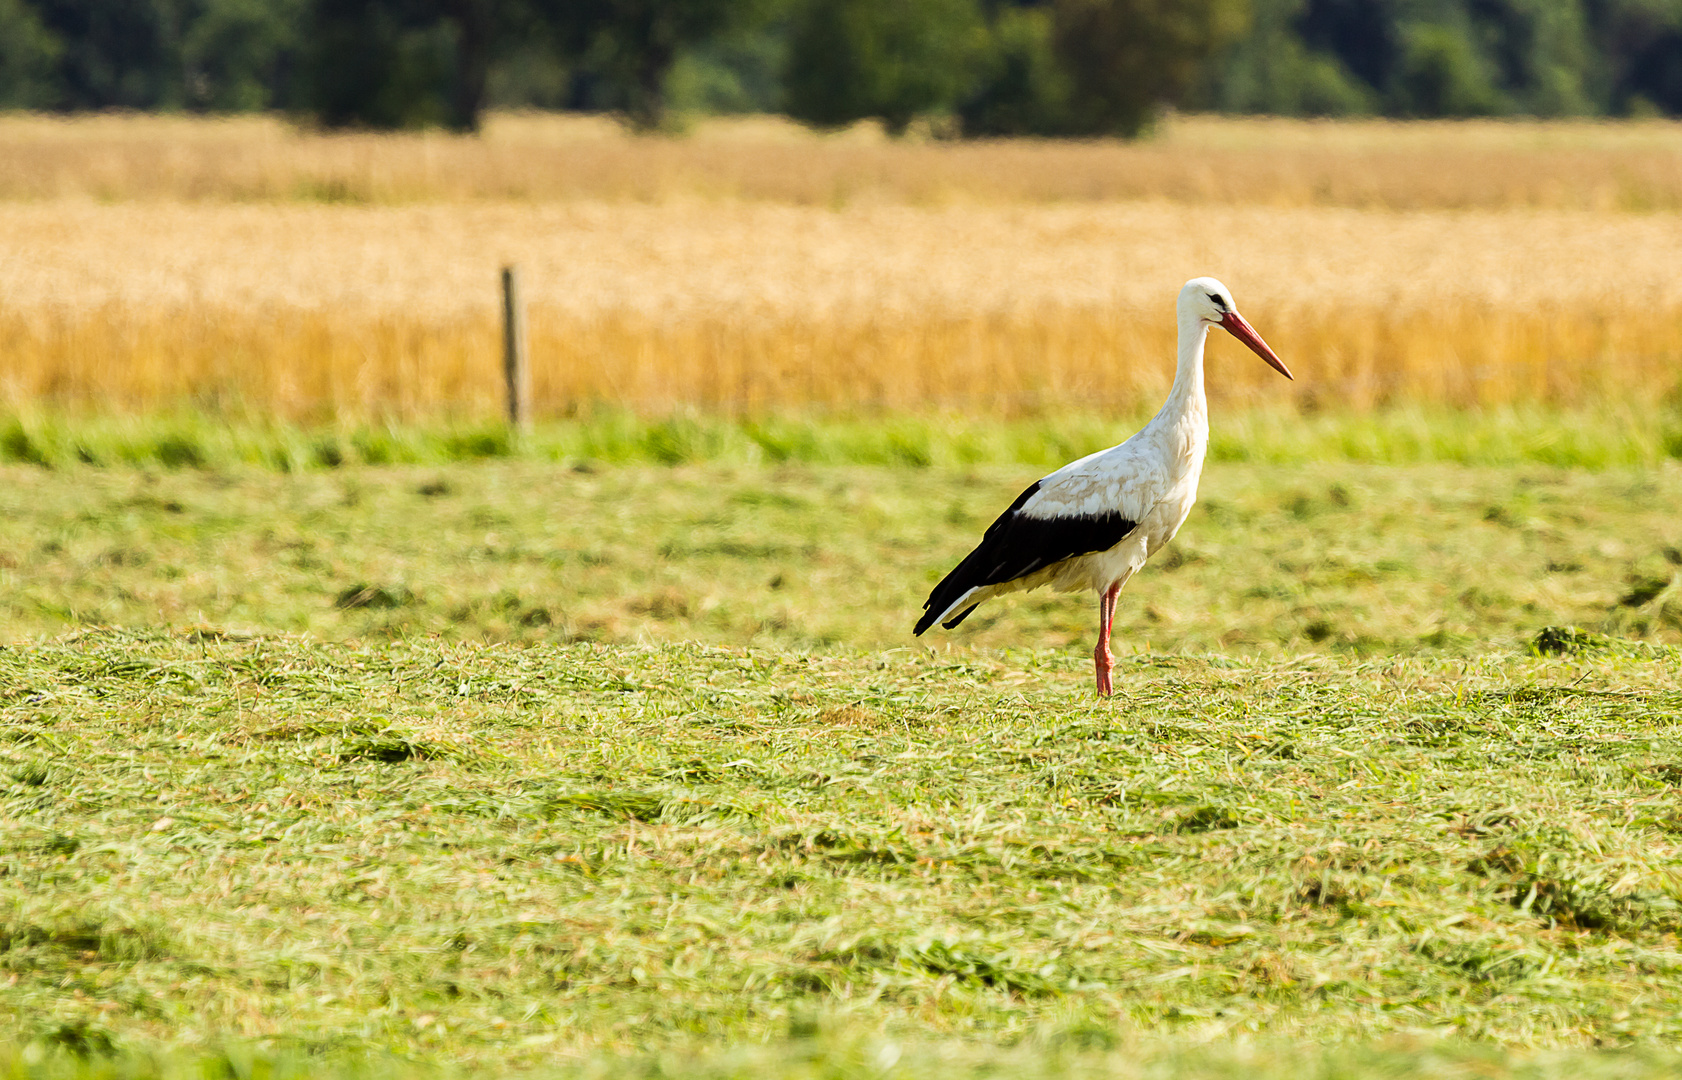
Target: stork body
1094	522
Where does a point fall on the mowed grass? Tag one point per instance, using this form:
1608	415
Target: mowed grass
565	856
1366	558
519	766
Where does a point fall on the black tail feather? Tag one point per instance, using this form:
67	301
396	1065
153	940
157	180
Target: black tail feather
952	586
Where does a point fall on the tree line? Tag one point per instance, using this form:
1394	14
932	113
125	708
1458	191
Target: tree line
967	67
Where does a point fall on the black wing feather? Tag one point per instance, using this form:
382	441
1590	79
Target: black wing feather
1016	545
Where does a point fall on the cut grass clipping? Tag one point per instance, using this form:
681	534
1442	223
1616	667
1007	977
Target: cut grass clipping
527	857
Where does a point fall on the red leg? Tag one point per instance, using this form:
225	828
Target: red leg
1103	661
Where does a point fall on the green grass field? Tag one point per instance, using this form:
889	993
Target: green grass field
1280	556
569	763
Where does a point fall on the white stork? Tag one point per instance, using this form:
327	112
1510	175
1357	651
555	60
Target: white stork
1094	522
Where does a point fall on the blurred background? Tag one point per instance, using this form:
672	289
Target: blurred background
812	288
981	67
971	67
296	211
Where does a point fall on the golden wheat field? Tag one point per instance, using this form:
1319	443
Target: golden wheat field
153	263
1581	165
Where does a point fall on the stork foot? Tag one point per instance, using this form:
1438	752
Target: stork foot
1102	665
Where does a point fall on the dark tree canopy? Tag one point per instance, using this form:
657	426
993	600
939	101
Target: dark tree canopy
1127	57
30	59
983	67
892	59
632	44
1022	87
381	63
1364	35
115	53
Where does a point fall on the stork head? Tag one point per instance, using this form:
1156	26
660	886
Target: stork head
1209	302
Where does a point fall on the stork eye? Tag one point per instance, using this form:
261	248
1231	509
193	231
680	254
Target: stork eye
1217	301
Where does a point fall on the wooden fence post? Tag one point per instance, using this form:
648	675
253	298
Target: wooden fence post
515	368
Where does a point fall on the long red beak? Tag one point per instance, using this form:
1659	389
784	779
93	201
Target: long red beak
1243	331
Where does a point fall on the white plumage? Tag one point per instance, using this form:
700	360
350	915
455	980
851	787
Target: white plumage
1094	522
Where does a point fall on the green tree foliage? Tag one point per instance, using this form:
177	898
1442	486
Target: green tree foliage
380	63
891	59
29	56
114	53
233	53
1442	74
1641	43
1273	70
408	63
632	45
1022	87
1539	55
737	72
1125	58
1002	66
1459	57
148	54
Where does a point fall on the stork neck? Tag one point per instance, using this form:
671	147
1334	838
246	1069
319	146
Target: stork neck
1187	392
